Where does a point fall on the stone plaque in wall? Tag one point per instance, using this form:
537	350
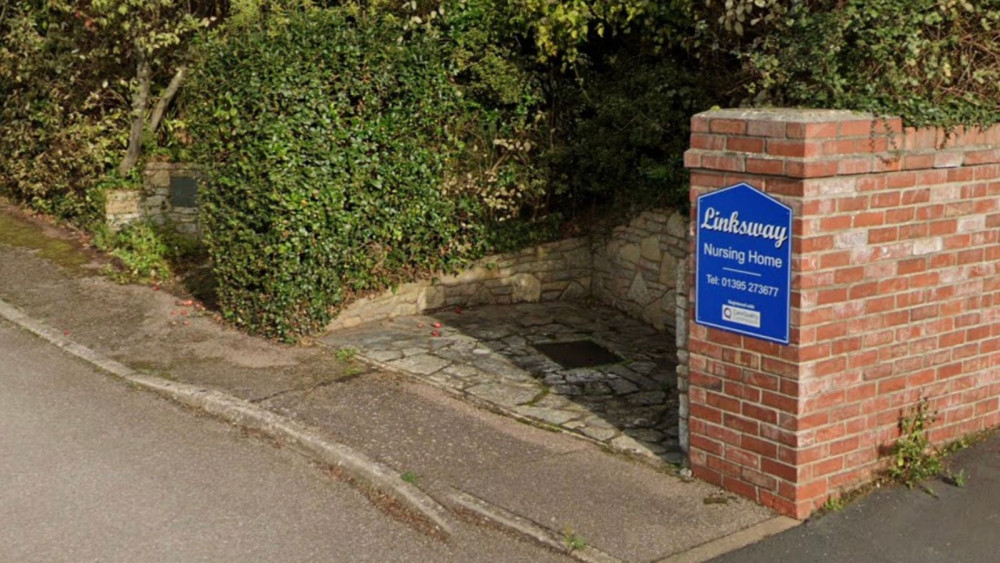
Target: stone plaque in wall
183	191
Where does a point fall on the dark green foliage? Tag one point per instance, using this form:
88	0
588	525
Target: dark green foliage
325	139
933	62
628	127
56	138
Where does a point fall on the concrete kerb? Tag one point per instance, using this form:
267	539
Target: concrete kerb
518	525
732	542
307	441
462	502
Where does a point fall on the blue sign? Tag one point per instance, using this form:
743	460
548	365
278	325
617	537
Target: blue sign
744	263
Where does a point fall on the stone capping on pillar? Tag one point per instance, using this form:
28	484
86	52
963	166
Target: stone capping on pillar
895	299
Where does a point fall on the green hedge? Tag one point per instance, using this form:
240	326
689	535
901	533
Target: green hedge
932	62
325	139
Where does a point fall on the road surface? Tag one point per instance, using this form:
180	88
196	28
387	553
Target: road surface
93	470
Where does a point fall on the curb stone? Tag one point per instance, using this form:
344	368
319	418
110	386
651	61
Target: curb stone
523	527
461	501
732	542
305	440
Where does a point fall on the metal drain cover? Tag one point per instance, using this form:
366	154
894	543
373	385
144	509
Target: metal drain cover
578	354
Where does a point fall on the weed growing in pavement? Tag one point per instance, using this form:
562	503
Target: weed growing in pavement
716	498
138	251
957	479
346	354
914	459
541	395
410	477
572	540
834	504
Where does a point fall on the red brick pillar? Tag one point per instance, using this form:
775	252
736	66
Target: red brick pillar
894	299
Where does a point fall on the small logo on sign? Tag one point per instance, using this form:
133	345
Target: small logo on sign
741	316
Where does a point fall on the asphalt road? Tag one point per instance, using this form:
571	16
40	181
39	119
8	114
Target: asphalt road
899	525
93	470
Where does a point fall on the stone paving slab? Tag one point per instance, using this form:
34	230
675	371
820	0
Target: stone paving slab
487	353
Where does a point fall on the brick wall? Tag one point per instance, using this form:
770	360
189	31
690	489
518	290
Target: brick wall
895	298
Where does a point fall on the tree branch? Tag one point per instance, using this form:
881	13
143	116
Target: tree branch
165	98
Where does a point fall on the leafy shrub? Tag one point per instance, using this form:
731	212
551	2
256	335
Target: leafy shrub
325	138
934	62
55	139
505	132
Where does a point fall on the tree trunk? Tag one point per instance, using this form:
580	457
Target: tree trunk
140	101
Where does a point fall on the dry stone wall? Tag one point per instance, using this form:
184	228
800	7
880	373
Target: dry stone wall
635	269
551	272
122	207
168	198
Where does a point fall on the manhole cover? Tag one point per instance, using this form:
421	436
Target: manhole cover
578	354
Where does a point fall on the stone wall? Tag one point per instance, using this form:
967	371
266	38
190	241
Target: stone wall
641	269
162	202
122	207
167	198
895	299
635	269
682	313
551	272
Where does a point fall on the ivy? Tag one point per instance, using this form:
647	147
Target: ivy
933	62
325	139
